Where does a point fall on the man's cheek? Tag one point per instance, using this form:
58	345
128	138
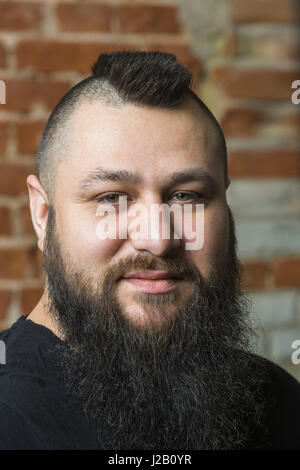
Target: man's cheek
214	250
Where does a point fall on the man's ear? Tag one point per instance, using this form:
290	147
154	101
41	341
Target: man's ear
39	206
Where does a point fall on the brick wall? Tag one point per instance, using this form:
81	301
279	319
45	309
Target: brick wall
262	126
244	55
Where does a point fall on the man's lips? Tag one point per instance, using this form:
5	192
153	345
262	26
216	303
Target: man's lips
152	275
154	282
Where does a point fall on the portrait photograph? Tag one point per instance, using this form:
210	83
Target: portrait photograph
149	228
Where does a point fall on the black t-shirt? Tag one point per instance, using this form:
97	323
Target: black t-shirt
36	412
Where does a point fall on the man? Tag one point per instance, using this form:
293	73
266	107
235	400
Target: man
138	342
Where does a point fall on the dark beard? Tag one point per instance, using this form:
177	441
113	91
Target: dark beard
190	384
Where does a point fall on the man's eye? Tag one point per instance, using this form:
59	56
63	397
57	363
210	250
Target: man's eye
112	198
189	196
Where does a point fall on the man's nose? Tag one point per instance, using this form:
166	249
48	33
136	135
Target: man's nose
154	230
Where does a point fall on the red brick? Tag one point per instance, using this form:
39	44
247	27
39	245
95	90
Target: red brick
29	135
16	16
238	122
3	137
50	92
149	19
264	11
19	263
52	56
5	300
22	95
13	178
267	163
183	55
86	17
253	83
29	299
287	272
255	274
5	221
2	56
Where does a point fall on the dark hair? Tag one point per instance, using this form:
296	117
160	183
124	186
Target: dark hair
148	78
142	78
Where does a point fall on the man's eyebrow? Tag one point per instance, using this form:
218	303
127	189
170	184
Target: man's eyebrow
103	174
191	174
124	176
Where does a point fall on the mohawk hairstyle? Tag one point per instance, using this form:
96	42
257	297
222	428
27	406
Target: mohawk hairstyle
149	78
153	78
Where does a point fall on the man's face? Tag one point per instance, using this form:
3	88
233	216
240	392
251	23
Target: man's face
152	144
183	384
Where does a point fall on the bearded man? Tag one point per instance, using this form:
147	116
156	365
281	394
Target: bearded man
138	342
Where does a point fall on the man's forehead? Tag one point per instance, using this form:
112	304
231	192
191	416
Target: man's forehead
139	139
95	118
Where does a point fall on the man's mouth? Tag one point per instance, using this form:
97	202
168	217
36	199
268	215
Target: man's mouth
152	275
155	282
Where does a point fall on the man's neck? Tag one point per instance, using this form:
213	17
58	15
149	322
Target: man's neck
41	316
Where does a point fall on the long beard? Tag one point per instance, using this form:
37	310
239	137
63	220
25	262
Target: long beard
190	384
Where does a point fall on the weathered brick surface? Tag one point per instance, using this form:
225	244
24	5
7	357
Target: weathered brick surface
287	271
266	239
283	45
255	275
149	19
23	95
5	221
18	16
29	299
258	122
19	263
275	308
271	199
238	122
84	17
29	135
264	11
2	55
53	56
264	163
255	83
13	178
3	137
